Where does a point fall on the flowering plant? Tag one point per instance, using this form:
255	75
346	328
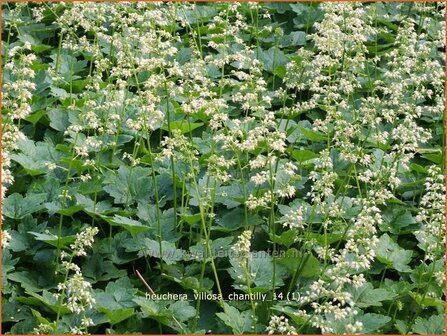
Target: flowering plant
289	154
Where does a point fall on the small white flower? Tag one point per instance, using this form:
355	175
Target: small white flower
84	239
6	237
242	248
50	165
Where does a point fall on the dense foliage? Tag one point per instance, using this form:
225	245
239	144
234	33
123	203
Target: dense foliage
223	167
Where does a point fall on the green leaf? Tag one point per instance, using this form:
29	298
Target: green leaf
170	254
148	214
154	309
192	283
397	287
260	266
373	322
272	58
305	263
131	184
401	326
392	255
367	296
59	93
232	220
418	168
165	311
117	295
92	208
427	301
96	269
286	239
8	263
423	273
39	48
58	119
182	310
312	135
219	248
39	317
50	301
24	327
130	225
57	207
397	221
436	158
235	219
122	290
27	281
53	240
277	7
307	14
298	37
117	301
302	155
14	312
68	65
435	325
16	206
117	315
230	195
191	219
183	125
18	242
303	133
239	322
36	116
34	156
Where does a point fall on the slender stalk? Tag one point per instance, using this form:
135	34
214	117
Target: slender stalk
153	293
63	203
157	201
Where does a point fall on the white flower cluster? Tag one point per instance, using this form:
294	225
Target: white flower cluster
83	240
340	39
294	219
75	293
150	81
78	293
44	329
323	177
218	167
263	201
242	247
354	328
75	290
280	324
6	237
179	145
432	215
18	88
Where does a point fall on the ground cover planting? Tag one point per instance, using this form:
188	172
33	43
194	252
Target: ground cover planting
224	168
